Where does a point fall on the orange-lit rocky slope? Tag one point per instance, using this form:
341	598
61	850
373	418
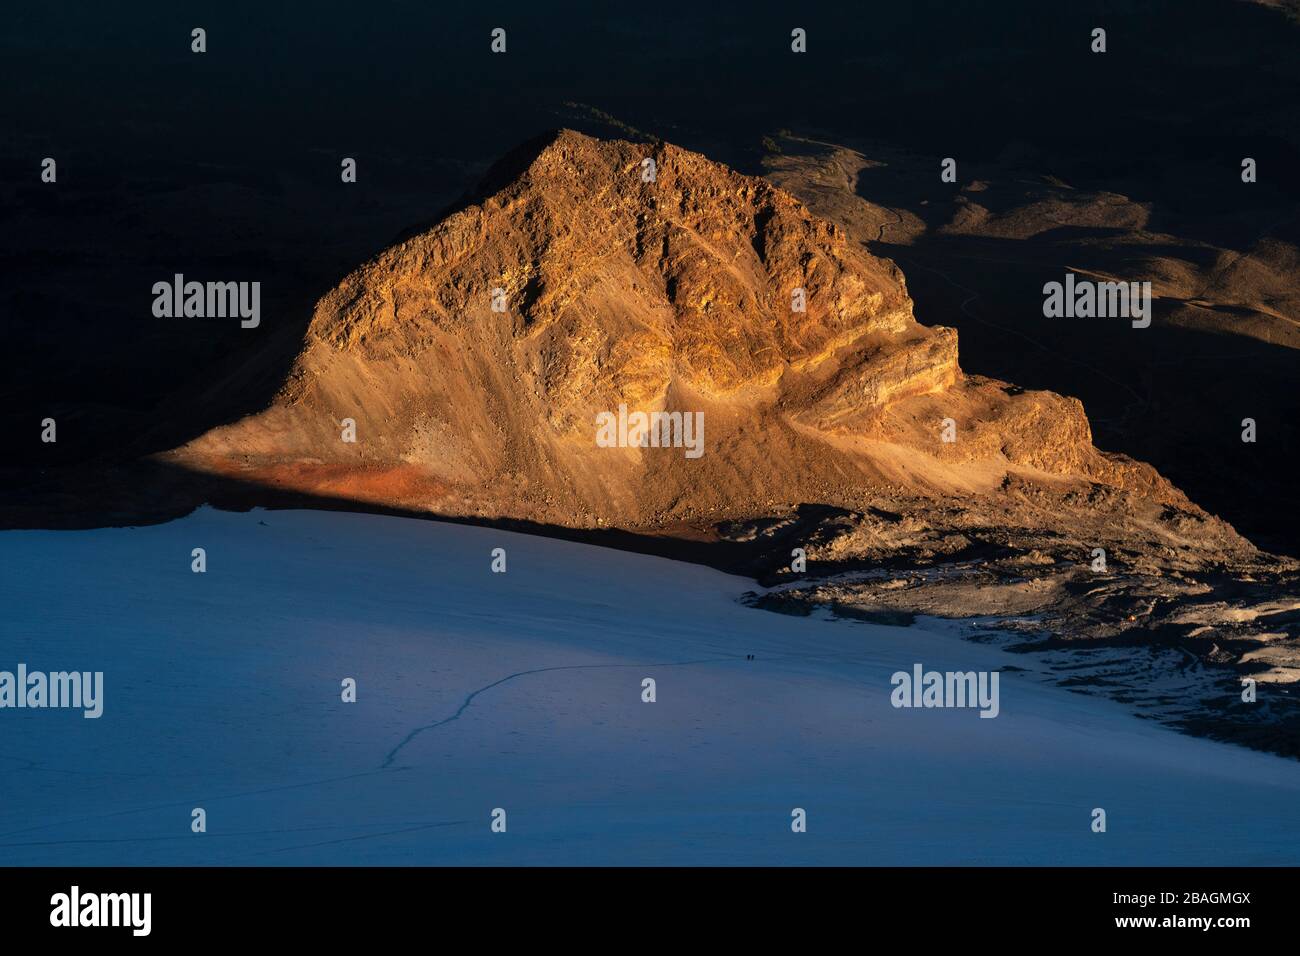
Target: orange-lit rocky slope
672	295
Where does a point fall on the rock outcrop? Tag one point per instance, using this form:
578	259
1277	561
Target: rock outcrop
652	278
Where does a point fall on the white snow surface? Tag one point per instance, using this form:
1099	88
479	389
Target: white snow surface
522	691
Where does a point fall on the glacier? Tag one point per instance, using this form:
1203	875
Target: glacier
522	691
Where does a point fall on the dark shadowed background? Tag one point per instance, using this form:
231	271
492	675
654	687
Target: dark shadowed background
225	166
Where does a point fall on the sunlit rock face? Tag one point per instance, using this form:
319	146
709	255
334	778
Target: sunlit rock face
465	370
